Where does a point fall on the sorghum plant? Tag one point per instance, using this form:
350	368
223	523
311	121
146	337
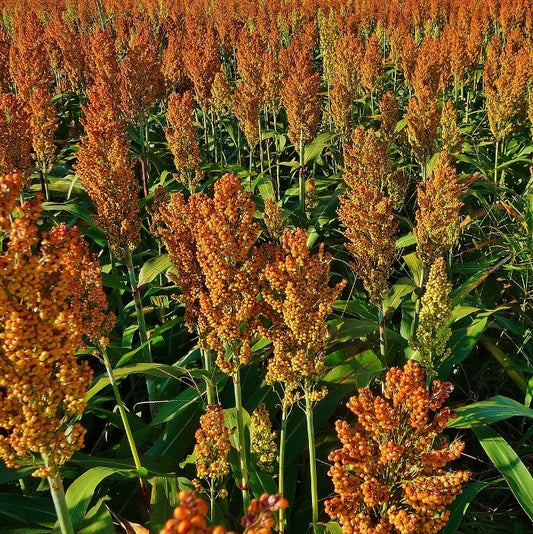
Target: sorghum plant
389	475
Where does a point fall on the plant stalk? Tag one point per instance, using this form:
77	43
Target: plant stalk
209	388
301	178
382	334
241	447
312	454
58	497
281	470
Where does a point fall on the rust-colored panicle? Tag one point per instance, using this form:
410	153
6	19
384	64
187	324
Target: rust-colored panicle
389	476
370	228
222	99
346	77
29	64
200	56
107	173
71	46
173	221
388	114
438	219
30	69
371	64
102	59
409	58
300	88
15	137
225	235
297	299
451	139
181	138
506	74
172	66
366	158
50	298
141	80
249	93
428	68
422	117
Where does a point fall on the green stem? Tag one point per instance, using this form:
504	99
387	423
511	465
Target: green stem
382	335
241	448
301	179
312	454
281	470
58	496
497	148
210	390
146	350
120	406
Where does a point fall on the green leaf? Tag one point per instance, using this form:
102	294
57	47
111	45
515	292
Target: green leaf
163	501
25	510
415	266
509	464
153	268
461	503
314	149
490	411
149	369
98	520
333	528
81	491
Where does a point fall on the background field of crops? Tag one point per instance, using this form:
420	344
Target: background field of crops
299	100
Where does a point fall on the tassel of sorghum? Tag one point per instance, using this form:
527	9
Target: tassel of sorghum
225	235
348	55
371	64
273	219
190	516
249	93
15	136
141	80
30	69
173	222
259	515
367	159
389	475
505	75
212	448
271	80
200	56
428	68
396	184
222	100
328	34
71	45
433	332
181	138
50	290
300	89
102	61
457	54
172	66
297	299
370	227
107	174
388	114
451	137
437	219
409	54
263	439
422	118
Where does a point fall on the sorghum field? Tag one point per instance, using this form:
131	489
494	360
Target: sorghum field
266	266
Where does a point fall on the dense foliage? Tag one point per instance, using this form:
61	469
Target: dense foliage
249	250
